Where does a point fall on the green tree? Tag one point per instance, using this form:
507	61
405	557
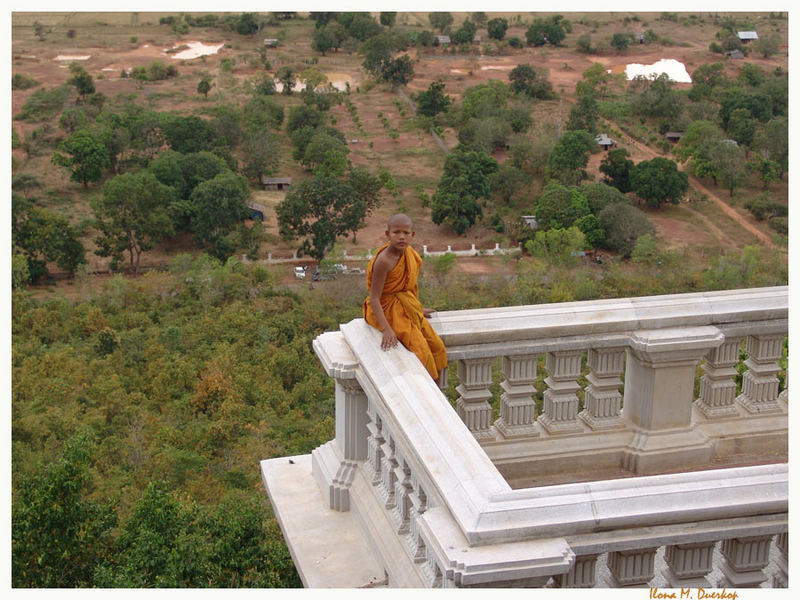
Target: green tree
655	97
617	167
742	126
44	237
188	134
484	100
246	24
204	86
85	154
218	206
440	21
600	195
496	28
318	210
263	112
287	77
507	181
82	80
768	170
694	146
623	224
464	182
530	81
388	19
559	246
261	154
658	181
706	79
132	216
620	41
728	162
433	100
767	45
303	116
324	40
58	536
774	141
560	206
584	114
569	157
485	135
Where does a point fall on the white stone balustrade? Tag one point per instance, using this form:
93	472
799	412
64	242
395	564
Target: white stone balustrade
429	488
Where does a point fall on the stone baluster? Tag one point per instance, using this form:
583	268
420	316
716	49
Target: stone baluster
419	504
631	567
603	400
473	402
718	385
581	575
744	561
517	408
388	474
375	445
560	401
760	381
781	578
689	564
402	490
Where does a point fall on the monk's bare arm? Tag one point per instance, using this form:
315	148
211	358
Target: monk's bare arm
379	272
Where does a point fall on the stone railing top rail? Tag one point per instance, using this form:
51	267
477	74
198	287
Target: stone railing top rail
734	310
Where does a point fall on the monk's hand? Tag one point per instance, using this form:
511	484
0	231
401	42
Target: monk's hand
427	312
389	339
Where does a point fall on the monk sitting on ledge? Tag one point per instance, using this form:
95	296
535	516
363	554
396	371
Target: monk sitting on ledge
393	304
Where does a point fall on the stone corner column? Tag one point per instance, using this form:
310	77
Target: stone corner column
334	464
659	395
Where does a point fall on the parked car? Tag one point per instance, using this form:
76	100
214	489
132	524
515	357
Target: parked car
300	272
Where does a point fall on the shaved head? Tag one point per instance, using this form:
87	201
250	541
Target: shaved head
399	219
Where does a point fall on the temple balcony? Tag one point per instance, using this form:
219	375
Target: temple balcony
653	452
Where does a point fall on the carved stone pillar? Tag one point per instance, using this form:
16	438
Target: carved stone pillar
334	464
517	408
581	575
744	561
688	564
659	393
560	402
760	381
781	578
631	567
473	402
603	400
717	385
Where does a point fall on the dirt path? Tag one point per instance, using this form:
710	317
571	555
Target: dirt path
724	206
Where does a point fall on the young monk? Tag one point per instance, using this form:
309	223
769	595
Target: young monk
393	304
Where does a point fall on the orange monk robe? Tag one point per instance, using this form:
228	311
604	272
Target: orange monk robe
403	311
